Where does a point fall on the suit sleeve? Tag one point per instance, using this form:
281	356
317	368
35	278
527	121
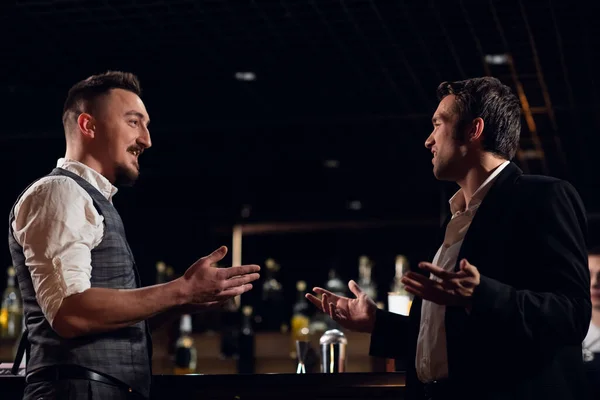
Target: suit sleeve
389	337
553	308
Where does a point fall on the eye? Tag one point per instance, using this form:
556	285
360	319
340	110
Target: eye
134	122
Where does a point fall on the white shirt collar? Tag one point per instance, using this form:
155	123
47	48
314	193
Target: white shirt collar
92	176
457	202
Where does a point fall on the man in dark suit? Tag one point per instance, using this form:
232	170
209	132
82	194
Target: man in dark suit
502	310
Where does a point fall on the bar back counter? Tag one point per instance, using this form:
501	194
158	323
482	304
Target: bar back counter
317	386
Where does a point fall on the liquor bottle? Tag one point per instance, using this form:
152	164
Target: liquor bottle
161	268
11	311
246	360
169	272
365	268
185	351
399	300
335	285
229	326
300	318
272	314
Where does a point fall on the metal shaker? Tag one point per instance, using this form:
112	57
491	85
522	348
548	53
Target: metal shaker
333	351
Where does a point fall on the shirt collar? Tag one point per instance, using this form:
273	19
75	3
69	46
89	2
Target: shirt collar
458	203
92	176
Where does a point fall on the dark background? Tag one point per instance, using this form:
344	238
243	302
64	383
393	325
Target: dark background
350	81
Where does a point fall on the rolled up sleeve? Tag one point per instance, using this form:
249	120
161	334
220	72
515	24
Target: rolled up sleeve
57	225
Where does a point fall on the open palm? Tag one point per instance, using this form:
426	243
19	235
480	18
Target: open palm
356	314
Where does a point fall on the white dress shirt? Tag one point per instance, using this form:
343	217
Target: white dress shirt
432	356
592	339
57	225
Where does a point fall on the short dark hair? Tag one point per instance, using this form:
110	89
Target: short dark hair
84	93
594	251
487	98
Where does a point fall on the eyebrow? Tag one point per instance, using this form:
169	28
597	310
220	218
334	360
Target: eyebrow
137	114
439	117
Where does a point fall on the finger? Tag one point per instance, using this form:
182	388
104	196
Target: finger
413	283
435	295
452	284
354	288
418	278
314	300
227	273
235	291
414	291
332	311
467	267
216	255
439	272
240	280
323	292
325	303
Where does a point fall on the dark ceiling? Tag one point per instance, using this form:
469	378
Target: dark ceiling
351	81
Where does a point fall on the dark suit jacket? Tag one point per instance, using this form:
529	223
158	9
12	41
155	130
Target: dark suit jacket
531	311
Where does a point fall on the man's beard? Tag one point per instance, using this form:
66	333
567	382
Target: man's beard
125	177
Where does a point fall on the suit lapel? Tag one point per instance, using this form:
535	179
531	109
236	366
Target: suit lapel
490	210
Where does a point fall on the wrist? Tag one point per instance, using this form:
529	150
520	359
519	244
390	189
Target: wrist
371	317
178	292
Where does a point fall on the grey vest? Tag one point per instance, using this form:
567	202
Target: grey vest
125	353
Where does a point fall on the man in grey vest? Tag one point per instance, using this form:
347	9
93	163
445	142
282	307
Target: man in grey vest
85	310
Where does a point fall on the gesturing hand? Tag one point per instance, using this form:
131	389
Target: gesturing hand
452	288
355	314
205	284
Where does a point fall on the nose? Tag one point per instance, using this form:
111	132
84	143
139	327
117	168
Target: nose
429	141
144	139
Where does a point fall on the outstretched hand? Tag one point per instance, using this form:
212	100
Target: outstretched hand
204	284
354	314
449	289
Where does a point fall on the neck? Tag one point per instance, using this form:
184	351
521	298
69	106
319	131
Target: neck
596	316
90	161
477	174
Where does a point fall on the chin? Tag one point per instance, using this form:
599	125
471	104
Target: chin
440	175
126	176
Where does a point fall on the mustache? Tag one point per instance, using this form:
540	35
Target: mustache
136	147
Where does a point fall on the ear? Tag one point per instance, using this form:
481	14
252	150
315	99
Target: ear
86	125
475	130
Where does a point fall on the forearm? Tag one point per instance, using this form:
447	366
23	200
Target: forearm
100	310
539	318
388	338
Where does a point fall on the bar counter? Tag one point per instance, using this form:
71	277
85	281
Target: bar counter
317	386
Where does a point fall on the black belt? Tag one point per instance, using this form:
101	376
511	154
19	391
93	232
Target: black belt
442	389
62	372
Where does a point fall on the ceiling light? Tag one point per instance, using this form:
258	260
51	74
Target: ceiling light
331	163
245	76
355	205
496	59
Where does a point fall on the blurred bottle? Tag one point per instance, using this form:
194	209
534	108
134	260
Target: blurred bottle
246	360
185	351
230	330
11	311
399	300
300	318
169	272
365	281
272	309
161	268
335	285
